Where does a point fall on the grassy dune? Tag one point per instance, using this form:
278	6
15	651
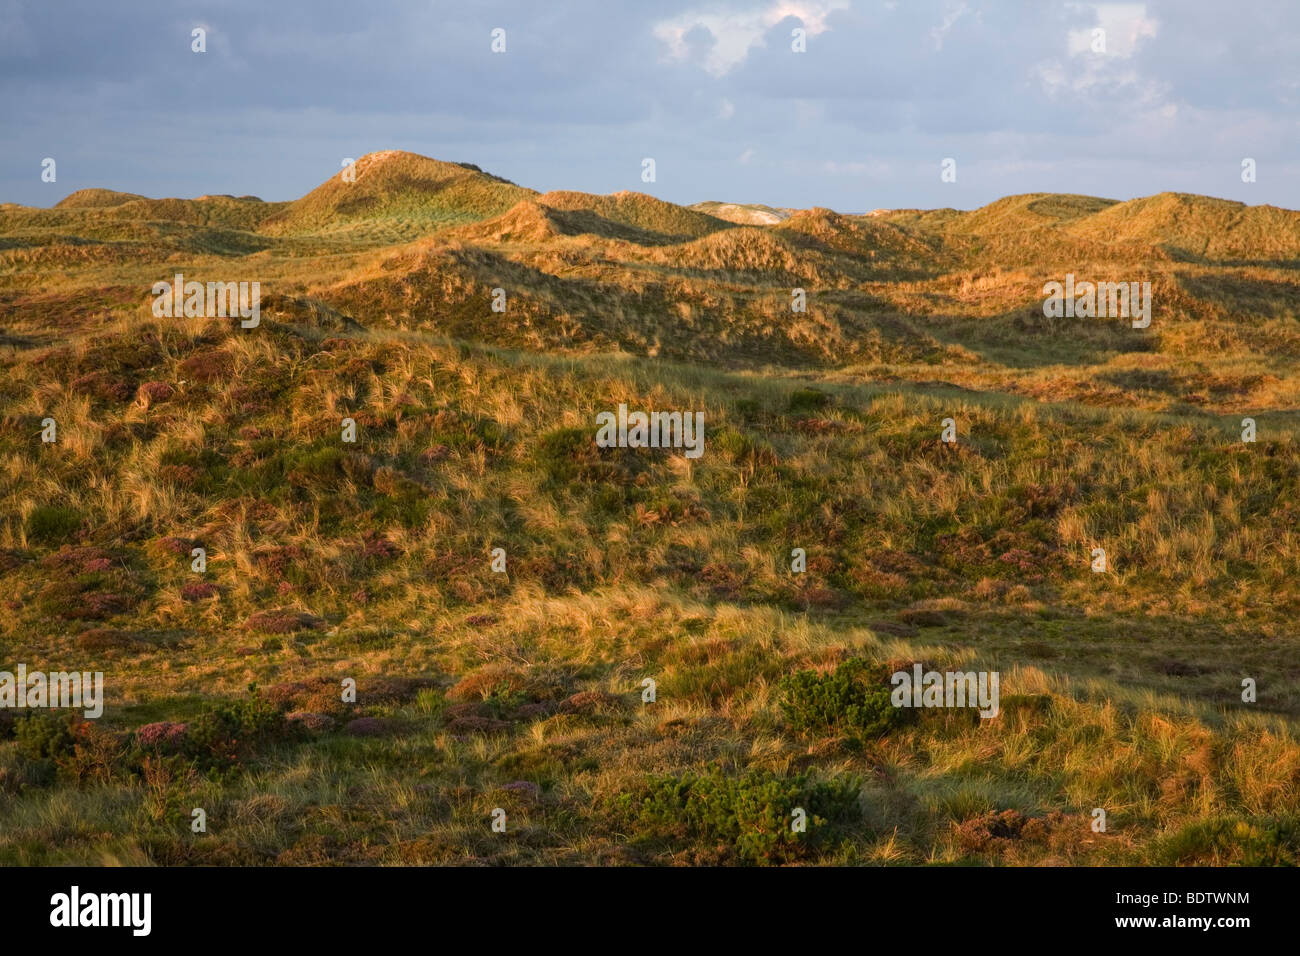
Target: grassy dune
522	690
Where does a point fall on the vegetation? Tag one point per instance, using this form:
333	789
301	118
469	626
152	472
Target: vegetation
846	700
476	690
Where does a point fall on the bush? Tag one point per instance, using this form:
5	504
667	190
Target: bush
96	754
46	741
847	701
568	455
1232	841
313	467
162	735
52	524
747	817
45	736
808	400
220	735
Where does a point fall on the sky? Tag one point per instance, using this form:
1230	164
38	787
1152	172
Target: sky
1020	94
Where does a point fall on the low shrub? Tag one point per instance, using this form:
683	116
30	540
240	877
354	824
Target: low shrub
46	736
745	818
808	400
847	701
1228	841
52	524
221	735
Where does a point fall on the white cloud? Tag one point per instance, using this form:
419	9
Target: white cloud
952	15
736	32
1126	25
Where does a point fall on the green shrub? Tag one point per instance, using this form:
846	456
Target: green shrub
314	466
466	432
571	454
202	471
847	701
45	736
808	400
560	452
52	524
45	741
1228	841
746	817
220	735
503	700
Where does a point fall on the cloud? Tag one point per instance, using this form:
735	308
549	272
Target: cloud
735	31
954	12
1124	26
587	88
1101	56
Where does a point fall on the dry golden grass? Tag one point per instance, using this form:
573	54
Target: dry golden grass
522	690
